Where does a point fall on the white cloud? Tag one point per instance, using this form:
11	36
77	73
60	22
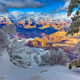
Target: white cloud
64	8
67	3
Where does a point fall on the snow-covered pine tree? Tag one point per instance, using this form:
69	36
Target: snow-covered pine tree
4	36
18	53
74	27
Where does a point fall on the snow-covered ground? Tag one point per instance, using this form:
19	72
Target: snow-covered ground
8	71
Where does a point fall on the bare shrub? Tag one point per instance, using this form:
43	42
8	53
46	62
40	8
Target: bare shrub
54	57
36	59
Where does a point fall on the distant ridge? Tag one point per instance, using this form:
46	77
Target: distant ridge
35	32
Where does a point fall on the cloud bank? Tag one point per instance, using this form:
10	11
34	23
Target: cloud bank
5	4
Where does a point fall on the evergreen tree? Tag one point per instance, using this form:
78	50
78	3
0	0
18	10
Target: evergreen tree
74	27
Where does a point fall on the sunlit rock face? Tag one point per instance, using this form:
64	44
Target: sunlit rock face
57	39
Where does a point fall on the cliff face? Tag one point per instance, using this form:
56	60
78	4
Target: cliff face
45	34
57	39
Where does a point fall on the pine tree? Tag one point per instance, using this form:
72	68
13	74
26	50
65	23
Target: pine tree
74	27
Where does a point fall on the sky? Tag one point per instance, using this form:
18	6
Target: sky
46	6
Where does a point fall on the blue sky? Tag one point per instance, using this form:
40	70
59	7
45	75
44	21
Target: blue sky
49	6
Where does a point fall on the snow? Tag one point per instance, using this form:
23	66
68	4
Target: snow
9	71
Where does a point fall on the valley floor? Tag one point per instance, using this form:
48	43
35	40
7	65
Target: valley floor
8	71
